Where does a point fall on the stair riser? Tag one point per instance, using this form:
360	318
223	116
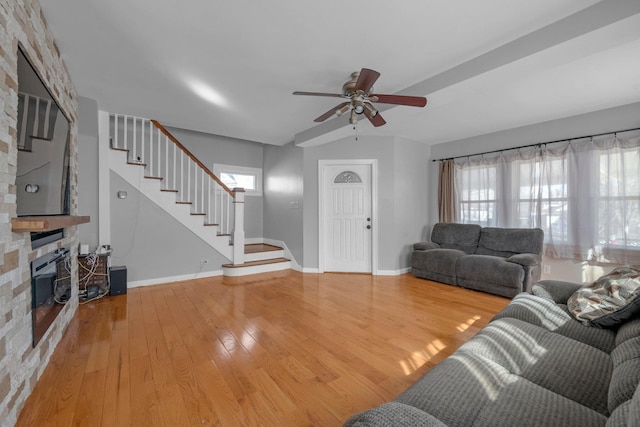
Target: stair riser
261	256
256	269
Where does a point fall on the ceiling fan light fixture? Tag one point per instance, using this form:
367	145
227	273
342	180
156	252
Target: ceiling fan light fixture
372	111
358	106
342	110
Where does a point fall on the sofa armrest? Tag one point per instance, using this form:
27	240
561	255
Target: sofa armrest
423	246
525	260
557	291
394	414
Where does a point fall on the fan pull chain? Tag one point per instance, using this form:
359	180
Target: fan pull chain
355	127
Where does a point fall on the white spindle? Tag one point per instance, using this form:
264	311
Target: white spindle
135	140
142	141
228	213
188	179
209	201
124	134
181	176
115	132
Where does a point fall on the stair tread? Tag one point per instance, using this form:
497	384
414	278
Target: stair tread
254	263
253	248
169	190
154	177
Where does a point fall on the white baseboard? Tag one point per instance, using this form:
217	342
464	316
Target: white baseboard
310	270
164	280
393	272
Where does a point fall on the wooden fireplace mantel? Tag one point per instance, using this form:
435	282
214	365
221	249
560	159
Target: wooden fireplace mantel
46	223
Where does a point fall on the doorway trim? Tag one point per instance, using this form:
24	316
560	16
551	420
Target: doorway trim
322	164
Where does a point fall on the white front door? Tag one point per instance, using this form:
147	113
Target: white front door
347	222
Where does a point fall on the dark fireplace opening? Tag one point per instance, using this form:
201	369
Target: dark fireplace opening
50	289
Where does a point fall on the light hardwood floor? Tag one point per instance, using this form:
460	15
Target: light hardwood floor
278	349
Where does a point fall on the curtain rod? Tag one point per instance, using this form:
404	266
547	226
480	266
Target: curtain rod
538	144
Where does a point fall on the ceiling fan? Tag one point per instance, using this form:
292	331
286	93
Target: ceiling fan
358	92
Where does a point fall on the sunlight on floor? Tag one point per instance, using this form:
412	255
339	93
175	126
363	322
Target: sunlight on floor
418	358
465	325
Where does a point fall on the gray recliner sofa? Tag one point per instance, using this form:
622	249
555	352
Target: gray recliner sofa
501	261
532	365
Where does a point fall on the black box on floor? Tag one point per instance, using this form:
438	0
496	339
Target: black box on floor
118	279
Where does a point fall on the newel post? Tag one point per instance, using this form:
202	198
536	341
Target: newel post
238	226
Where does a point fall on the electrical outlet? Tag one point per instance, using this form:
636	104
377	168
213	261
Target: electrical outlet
546	268
293	205
204	261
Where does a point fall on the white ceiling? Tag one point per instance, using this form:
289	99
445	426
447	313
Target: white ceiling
229	68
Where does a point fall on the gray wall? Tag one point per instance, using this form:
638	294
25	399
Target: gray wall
88	170
411	198
150	242
609	120
210	149
283	185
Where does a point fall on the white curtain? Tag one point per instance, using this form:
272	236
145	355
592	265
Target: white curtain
584	194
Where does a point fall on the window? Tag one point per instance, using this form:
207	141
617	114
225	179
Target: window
477	201
241	177
619	199
584	194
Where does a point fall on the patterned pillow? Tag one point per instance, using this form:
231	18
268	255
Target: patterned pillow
610	300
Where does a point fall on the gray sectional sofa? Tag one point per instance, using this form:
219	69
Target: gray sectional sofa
532	365
502	261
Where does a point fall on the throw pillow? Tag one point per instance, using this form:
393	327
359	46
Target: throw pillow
610	300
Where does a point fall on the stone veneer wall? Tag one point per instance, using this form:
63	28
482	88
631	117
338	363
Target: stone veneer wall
22	24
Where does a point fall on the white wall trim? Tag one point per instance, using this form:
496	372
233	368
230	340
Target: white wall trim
287	253
104	200
393	272
165	280
374	207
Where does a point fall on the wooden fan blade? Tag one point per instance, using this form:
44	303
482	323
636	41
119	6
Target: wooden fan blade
376	120
331	112
411	101
366	80
335	95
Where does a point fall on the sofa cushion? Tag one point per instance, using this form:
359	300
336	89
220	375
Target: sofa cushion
470	388
626	372
463	237
394	414
544	313
456	389
550	360
628	330
524	404
557	291
610	300
505	242
620	417
490	269
436	264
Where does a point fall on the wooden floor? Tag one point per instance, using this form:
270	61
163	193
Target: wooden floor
278	349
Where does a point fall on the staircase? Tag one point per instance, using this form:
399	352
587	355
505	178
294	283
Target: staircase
259	258
152	160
